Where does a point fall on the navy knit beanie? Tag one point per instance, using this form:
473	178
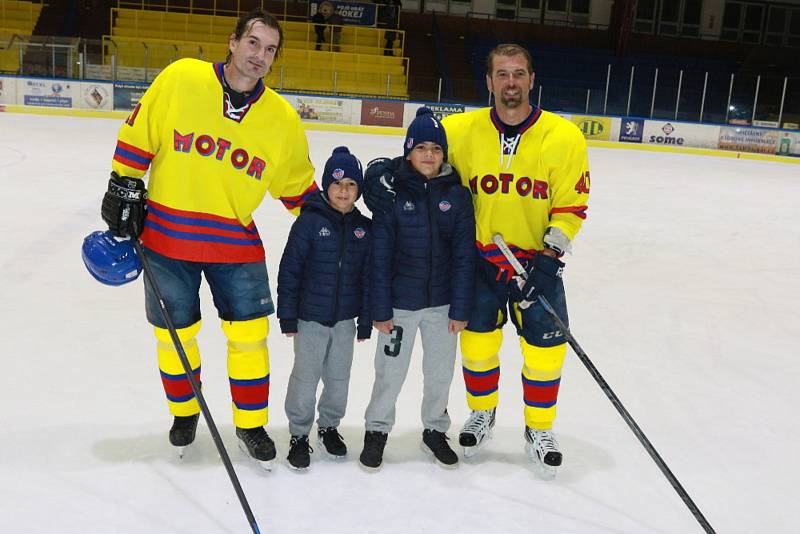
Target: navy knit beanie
342	164
425	127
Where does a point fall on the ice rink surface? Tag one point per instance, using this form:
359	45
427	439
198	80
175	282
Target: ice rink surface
684	289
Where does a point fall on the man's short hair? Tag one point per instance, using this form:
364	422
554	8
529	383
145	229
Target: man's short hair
508	50
246	22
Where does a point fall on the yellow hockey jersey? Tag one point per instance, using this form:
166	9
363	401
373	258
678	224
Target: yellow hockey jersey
210	163
520	185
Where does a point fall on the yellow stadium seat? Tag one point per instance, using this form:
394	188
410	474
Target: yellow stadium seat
359	67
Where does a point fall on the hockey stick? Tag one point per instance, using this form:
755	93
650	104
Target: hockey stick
223	453
676	485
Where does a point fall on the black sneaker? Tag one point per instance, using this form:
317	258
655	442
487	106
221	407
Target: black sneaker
259	445
435	443
372	455
332	442
299	452
183	430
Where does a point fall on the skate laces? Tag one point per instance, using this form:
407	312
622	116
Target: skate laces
544	440
255	436
478	420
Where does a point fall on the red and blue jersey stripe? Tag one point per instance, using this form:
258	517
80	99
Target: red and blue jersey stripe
133	157
578	211
297	201
494	255
200	237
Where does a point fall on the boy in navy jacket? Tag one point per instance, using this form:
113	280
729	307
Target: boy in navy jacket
322	286
423	265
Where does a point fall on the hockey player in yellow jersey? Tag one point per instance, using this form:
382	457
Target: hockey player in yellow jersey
528	173
215	140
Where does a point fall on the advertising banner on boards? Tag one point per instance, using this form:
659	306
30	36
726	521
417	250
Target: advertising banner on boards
321	109
381	113
748	140
48	93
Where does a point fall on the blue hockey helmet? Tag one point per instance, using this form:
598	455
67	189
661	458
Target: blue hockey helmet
110	261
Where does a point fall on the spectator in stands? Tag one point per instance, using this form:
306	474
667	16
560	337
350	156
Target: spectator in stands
326	16
389	17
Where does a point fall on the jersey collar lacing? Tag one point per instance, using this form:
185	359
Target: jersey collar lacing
511	134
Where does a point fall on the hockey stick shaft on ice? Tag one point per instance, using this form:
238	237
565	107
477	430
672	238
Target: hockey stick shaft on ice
676	485
212	427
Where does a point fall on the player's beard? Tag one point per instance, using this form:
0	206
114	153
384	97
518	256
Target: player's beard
511	101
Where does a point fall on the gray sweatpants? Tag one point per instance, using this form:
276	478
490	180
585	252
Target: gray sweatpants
319	352
393	357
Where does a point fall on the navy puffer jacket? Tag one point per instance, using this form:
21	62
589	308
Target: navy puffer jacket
423	250
323	270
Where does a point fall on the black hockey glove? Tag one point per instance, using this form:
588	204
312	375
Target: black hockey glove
544	272
379	186
124	206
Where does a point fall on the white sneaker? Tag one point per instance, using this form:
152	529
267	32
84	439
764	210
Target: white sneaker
477	431
542	449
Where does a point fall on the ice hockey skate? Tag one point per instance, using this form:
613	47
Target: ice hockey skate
542	449
182	433
477	431
258	445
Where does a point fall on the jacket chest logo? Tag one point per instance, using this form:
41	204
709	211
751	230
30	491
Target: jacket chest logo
408	206
324	232
444	205
359	232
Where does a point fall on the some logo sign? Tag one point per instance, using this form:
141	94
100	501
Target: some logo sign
445	205
338	174
667	138
408	206
359	232
324	232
